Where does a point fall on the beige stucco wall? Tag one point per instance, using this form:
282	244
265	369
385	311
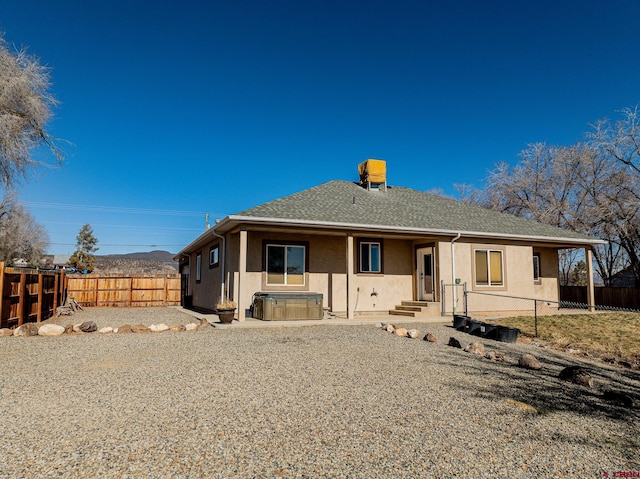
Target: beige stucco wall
326	271
377	293
518	275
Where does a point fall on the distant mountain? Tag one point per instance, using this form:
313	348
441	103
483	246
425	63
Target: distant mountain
157	262
160	255
143	263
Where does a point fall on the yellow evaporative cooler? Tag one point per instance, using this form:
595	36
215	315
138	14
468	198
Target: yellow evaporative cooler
373	174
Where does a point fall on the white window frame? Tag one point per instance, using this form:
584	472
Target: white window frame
536	267
489	283
198	267
362	252
214	251
304	264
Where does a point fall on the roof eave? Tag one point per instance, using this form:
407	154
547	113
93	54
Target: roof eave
233	220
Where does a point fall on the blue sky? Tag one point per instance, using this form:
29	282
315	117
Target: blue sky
177	109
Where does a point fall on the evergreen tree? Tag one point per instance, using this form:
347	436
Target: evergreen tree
83	257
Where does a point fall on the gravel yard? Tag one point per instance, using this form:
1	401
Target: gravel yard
301	402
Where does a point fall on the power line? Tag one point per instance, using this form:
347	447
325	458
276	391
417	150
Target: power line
146	228
118	209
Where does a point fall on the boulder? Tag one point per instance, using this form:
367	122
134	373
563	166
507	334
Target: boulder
204	324
88	327
400	332
430	337
475	348
529	361
190	327
27	329
454	343
68	329
494	356
51	330
76	328
391	328
619	398
6	332
176	328
159	328
106	329
577	375
140	328
125	328
413	333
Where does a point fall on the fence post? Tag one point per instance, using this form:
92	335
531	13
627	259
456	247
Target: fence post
40	297
1	292
21	298
443	302
535	315
466	298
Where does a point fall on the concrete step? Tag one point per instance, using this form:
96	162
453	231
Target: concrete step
397	312
416	309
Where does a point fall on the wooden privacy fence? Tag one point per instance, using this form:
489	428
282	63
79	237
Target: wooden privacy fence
124	291
28	295
624	298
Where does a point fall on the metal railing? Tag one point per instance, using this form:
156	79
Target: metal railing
496	305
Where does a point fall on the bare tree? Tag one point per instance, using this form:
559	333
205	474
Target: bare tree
26	106
620	141
572	187
21	236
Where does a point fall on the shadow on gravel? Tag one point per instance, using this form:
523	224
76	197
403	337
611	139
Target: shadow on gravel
542	389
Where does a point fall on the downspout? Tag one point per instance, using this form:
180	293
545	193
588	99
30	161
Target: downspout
453	272
223	296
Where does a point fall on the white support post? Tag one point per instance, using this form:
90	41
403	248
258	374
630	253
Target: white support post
591	294
351	288
242	273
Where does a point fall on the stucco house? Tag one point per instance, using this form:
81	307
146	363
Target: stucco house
366	247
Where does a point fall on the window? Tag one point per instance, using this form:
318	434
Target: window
198	267
285	265
214	259
536	267
370	257
489	267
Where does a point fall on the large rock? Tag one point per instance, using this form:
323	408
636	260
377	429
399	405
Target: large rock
176	328
51	330
400	332
475	348
6	332
88	327
577	375
413	333
494	356
159	328
125	328
190	327
204	324
105	330
140	328
27	329
619	398
390	328
529	361
430	337
68	329
453	342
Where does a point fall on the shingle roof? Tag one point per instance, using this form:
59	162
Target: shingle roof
345	203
